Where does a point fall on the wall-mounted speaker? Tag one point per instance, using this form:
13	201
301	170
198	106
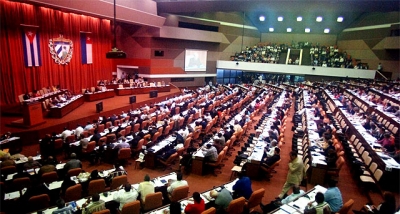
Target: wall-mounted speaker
132	99
153	94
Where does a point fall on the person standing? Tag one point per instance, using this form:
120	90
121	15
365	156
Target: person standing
295	174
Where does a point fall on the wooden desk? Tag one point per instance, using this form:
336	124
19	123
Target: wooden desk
99	95
144	90
61	112
198	166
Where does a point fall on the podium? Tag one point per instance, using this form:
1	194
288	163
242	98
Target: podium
32	115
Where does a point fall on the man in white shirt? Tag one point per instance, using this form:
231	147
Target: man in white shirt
175	184
184	133
237	127
208	117
146	187
210	153
125	195
78	131
66	133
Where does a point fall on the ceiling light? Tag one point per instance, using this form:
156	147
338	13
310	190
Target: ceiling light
262	18
307	30
339	19
271	29
280	18
326	30
299	19
288	29
319	19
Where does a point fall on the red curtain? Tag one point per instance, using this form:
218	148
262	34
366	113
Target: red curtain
18	79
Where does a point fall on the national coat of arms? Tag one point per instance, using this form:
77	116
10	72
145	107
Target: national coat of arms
61	50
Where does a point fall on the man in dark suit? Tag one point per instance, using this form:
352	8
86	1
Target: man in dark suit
73	163
96	136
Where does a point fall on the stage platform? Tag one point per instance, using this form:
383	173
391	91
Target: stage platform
81	115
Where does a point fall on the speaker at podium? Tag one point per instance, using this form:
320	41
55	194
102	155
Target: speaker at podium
99	107
153	94
132	99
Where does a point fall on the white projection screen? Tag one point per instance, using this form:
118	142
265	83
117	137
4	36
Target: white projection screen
195	60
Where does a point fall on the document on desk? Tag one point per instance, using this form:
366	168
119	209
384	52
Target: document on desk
55	185
60	166
11	195
286	209
300	203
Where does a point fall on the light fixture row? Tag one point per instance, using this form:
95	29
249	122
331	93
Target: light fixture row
299	18
306	30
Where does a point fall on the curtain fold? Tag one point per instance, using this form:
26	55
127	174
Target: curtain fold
16	78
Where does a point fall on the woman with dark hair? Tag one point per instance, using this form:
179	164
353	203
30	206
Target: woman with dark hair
197	207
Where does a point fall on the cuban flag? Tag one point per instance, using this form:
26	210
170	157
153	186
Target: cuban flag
30	44
86	47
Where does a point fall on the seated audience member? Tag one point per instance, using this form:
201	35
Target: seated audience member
388	206
122	144
66	133
67	182
222	199
273	159
396	154
6	136
174	207
31	163
210	153
174	184
88	126
271	151
96	136
125	195
321	207
48	166
94	175
7	161
62	208
26	96
21	173
242	187
386	142
146	187
78	131
197	207
93	204
73	163
333	196
119	170
331	158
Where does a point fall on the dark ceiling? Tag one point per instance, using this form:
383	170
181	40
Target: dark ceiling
350	10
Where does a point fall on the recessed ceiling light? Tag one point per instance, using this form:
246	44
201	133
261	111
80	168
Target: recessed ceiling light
326	30
299	18
307	30
339	19
280	18
288	29
262	18
319	19
271	29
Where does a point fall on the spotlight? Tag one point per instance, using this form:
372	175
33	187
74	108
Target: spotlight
280	18
261	18
299	19
307	30
288	29
319	19
326	30
271	29
339	19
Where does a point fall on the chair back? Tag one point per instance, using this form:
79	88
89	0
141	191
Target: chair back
236	206
20	183
70	139
90	147
211	210
179	193
124	153
74	172
155	136
131	208
49	177
255	198
100	128
106	211
102	141
111	138
73	193
8	170
128	130
58	144
96	186
152	201
118	181
136	128
346	207
38	202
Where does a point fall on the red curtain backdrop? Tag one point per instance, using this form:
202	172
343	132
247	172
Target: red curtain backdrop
18	79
